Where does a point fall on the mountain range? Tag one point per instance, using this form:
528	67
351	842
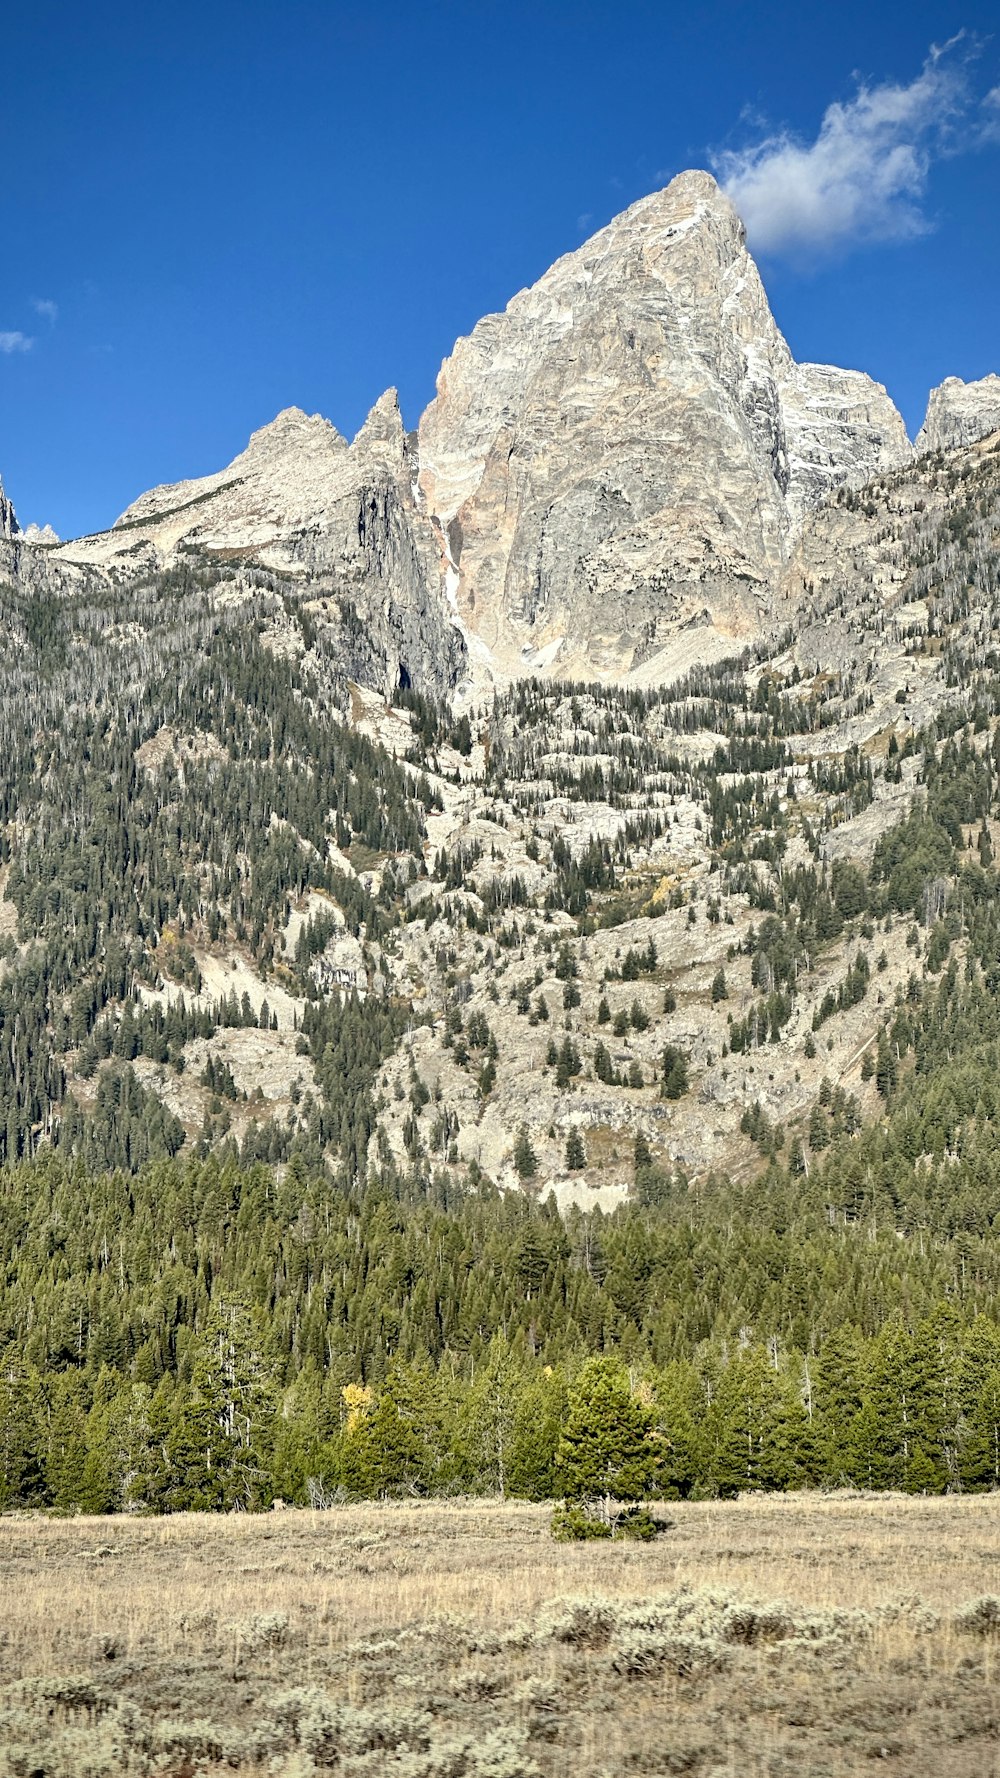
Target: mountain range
612	481
596	765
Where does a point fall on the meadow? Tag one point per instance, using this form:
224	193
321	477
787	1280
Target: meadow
774	1635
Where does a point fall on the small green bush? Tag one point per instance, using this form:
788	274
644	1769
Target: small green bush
640	1525
574	1524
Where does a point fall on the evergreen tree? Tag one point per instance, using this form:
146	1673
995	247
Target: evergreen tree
609	1449
525	1158
675	1072
576	1153
21	1473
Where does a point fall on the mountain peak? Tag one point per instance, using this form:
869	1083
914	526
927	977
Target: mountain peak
384	423
959	413
629	447
292	430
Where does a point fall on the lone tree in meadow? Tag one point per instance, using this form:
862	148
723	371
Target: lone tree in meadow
609	1453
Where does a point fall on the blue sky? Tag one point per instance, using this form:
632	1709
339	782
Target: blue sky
213	211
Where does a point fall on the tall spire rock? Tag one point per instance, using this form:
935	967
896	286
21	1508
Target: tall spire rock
9	527
617	462
960	413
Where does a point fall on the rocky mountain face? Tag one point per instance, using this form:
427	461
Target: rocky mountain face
687	914
8	521
960	413
336	524
618	462
306	843
615	479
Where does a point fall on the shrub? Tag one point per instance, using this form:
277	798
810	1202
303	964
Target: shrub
580	1623
575	1524
639	1525
981	1617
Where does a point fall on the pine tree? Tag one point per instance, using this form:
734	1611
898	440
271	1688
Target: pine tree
525	1158
538	1415
576	1153
979	1400
21	1478
744	1423
608	1449
66	1455
675	1072
488	1418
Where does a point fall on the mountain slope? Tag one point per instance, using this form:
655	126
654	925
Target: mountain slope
276	874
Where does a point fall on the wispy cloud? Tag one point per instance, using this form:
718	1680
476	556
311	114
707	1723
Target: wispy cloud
48	310
15	342
864	177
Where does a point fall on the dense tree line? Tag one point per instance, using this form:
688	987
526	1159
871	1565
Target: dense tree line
209	1333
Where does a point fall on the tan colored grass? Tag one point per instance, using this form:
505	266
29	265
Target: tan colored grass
176	1611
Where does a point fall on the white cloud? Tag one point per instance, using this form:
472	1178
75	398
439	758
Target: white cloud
865	175
48	310
15	342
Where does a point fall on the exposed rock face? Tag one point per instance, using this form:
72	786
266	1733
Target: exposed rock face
9	527
612	480
43	534
616	463
282	479
960	413
840	426
339	520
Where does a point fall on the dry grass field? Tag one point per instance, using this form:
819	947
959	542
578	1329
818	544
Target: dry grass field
805	1636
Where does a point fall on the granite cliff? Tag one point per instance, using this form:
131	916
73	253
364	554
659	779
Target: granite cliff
8	521
618	462
960	413
335	524
615	479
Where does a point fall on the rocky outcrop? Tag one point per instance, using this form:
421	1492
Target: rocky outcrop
960	413
9	527
282	480
840	426
617	462
340	521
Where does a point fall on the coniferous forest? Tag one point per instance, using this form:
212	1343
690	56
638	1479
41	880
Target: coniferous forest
298	1305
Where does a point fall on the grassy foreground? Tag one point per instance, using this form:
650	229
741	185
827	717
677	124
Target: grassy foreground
802	1635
